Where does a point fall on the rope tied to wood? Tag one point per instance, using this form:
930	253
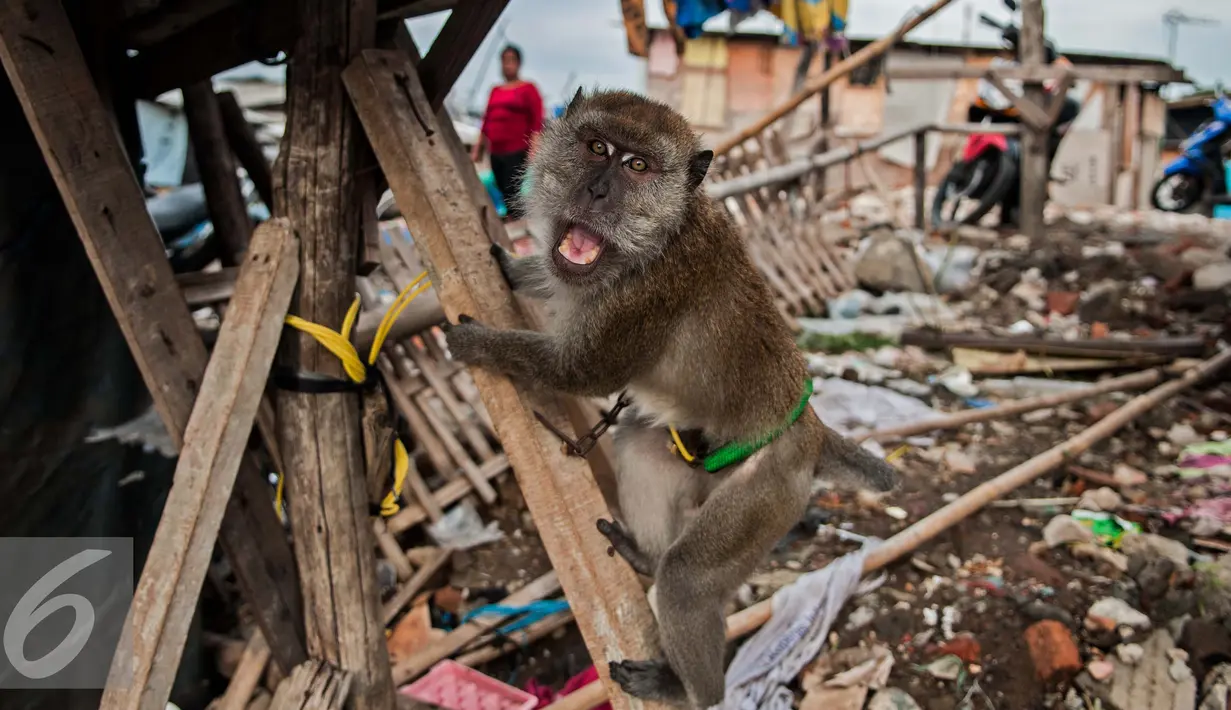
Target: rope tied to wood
362	374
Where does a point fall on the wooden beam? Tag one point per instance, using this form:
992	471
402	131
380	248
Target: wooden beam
100	191
318	186
1148	73
457	42
605	595
1032	113
256	29
405	9
170	18
217	435
581	413
839	70
227	210
1035	162
636	32
246	147
247	675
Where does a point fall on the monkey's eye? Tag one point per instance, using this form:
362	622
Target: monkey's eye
638	165
598	147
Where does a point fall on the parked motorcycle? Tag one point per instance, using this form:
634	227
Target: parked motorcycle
1197	175
988	173
182	219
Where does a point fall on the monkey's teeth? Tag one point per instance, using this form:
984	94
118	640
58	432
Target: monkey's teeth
590	256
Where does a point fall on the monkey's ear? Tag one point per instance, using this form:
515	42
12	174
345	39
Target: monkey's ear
699	166
575	102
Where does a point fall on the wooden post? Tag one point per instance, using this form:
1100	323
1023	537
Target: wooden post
100	191
605	595
227	209
246	147
214	442
921	177
318	187
1034	165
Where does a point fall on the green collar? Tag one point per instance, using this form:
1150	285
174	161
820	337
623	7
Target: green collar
737	451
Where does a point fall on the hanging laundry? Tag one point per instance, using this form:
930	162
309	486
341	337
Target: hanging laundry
692	14
811	20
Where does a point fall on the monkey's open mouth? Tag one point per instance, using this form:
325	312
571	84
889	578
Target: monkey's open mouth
578	249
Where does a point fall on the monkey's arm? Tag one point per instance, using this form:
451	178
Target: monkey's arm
535	358
527	275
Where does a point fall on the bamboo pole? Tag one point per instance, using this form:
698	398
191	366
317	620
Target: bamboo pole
748	620
1126	383
839	70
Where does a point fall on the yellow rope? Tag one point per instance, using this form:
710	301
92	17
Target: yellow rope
340	345
679	445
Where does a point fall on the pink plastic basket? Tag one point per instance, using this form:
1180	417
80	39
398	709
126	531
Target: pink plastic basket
451	685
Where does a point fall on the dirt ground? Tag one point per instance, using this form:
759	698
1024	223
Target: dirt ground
987	575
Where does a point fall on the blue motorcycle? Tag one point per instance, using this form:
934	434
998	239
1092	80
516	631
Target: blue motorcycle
1197	176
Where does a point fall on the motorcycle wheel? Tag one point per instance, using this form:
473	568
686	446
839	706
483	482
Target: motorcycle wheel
986	180
1177	193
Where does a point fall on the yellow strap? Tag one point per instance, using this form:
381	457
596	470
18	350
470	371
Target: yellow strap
679	445
340	345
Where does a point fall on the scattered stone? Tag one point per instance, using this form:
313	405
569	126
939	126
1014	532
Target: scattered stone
1100	500
1146	685
945	668
1182	435
1038	415
1110	612
1053	651
861	617
1095	551
896	513
1130	654
1099	410
1041	611
1062	302
893	699
1101	670
959	462
889	263
1212	277
965	646
1150	546
1126	476
1064	530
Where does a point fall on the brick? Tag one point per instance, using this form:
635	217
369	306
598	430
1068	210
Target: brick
1053	651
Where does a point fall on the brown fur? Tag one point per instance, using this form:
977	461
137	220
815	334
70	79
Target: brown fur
676	313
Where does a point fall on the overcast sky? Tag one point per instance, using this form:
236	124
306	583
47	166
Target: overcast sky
560	37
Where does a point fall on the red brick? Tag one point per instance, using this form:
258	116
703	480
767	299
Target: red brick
1053	651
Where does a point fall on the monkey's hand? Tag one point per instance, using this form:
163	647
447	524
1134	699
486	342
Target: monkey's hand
470	341
527	275
649	680
530	358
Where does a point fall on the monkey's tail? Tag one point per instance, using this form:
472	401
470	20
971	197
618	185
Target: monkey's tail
845	462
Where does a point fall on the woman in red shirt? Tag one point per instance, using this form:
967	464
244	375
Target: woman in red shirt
514	115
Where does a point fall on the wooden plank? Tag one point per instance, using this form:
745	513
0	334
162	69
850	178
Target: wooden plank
246	147
457	42
319	186
217	434
248	675
100	191
611	609
412	586
1031	112
1147	73
227	210
314	685
448	494
403	9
